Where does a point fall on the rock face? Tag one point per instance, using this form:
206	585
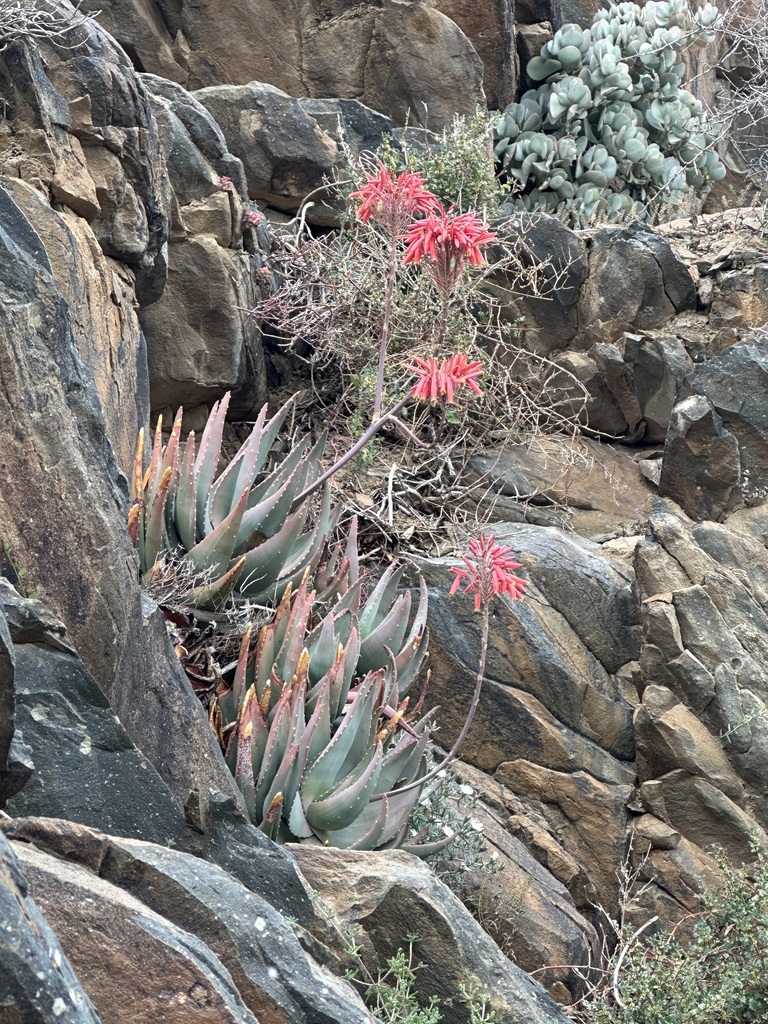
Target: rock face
285	155
623	713
386	895
210	931
405	59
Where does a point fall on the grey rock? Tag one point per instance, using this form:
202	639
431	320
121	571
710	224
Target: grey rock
701	467
37	982
545	658
86	768
635	283
285	155
273	974
132	961
390	894
657	365
551	318
736	384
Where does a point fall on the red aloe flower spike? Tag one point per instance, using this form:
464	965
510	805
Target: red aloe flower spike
448	240
488	572
391	201
440	380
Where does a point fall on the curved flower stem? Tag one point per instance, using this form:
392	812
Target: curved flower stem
442	324
374	428
388	295
451	755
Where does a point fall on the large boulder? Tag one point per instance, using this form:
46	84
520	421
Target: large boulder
636	283
87	769
736	384
490	27
390	894
284	153
129	960
701	467
254	945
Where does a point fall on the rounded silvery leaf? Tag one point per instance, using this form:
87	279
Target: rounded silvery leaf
539	68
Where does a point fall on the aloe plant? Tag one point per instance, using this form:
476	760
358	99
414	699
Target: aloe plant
316	724
237	529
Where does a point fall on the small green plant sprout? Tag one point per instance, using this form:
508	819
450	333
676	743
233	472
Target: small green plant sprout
480	1011
457	165
391	995
611	131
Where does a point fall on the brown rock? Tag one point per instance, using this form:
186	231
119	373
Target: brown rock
581	390
530	39
101	297
703	814
669	736
490	27
658	834
390	894
671	881
408	61
589	816
600	489
529	914
198	340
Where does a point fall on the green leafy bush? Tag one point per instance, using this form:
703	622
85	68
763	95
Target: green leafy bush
719	977
611	131
457	165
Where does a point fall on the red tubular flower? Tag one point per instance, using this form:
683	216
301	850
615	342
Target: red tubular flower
441	379
391	201
449	240
488	572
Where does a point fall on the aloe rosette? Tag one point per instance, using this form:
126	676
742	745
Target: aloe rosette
316	724
235	529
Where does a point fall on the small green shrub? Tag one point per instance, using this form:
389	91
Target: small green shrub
391	995
719	977
457	165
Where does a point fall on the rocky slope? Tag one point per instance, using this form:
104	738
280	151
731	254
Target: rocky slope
624	712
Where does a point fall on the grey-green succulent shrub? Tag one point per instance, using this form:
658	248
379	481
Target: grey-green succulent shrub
611	131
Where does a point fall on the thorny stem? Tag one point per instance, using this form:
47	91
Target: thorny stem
390	291
374	428
450	756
